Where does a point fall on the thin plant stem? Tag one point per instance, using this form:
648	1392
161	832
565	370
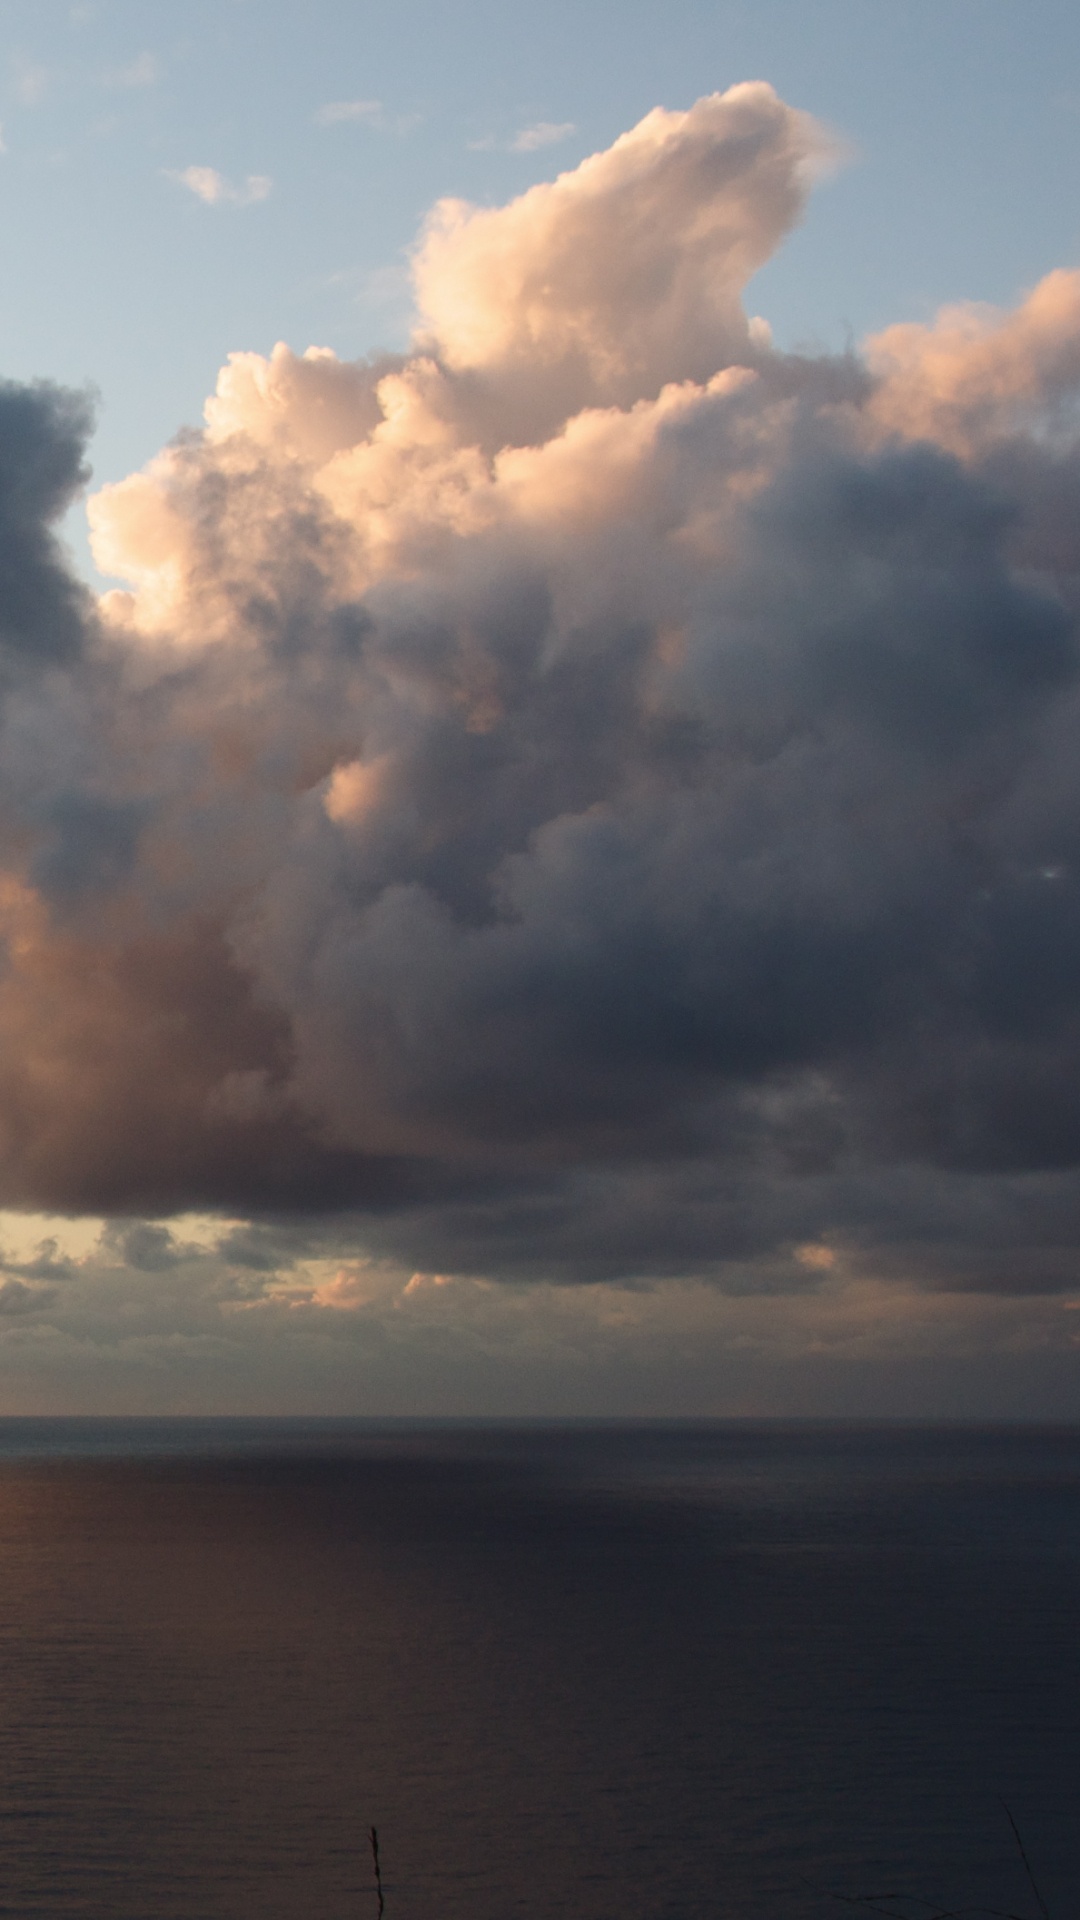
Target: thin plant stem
378	1870
1043	1909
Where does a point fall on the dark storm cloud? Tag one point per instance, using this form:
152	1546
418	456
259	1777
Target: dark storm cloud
646	843
47	1264
43	433
15	1298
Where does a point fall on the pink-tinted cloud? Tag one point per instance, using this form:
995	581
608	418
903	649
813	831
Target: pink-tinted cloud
211	187
626	273
590	797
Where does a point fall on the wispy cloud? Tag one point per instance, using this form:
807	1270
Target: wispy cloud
143	71
31	82
212	187
545	133
370	112
388	286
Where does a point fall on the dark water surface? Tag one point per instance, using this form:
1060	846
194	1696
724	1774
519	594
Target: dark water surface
608	1672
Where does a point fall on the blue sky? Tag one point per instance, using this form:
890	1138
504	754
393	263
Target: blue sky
962	119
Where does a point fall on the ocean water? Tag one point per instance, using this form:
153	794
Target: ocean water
609	1672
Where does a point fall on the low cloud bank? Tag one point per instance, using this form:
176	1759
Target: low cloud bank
594	797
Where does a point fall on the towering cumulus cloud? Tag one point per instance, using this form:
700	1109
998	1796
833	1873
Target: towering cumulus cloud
595	796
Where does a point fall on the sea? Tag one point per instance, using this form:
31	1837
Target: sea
656	1671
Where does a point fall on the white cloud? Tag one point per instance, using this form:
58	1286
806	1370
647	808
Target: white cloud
31	82
212	187
338	111
545	133
386	287
625	273
143	71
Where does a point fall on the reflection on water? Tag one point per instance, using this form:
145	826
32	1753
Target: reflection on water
608	1672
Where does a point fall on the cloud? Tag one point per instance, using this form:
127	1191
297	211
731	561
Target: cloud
47	1263
599	287
978	375
387	287
145	1246
31	82
144	70
16	1298
43	610
590	799
338	112
421	1282
211	187
329	1332
545	133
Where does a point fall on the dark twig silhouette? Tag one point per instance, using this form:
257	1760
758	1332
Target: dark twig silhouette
903	1903
1043	1909
900	1905
378	1870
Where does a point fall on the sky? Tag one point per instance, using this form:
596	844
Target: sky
539	821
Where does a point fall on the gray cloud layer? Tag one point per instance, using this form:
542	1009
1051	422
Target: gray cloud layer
595	797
